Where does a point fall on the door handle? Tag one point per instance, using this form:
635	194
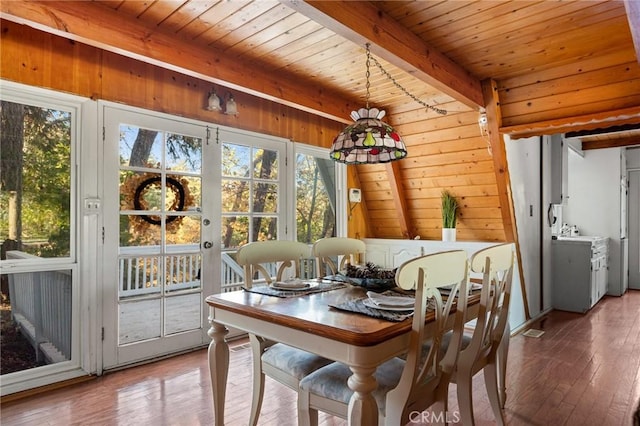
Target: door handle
207	244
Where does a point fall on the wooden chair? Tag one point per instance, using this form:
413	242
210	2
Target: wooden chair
486	348
345	250
281	362
411	385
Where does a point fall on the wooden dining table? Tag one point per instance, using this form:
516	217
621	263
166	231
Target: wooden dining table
309	322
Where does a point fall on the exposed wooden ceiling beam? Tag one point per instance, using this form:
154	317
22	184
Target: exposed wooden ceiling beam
620	117
499	155
362	22
633	16
399	199
614	143
99	26
503	180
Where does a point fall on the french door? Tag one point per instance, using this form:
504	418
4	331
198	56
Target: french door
161	234
179	199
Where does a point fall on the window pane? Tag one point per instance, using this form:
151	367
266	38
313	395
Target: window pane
315	198
140	147
36	320
236	160
183	272
265	228
183	230
266	164
235	196
265	198
184	153
36	169
235	231
183	313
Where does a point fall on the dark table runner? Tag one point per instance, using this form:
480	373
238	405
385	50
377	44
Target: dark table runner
269	291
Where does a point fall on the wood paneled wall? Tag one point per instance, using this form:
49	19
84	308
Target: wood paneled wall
444	152
591	88
40	59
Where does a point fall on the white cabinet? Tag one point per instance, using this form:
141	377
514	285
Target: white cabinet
579	271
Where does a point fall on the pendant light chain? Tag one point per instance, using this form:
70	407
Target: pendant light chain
393	80
368	74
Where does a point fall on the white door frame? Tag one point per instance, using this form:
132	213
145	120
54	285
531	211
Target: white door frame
110	116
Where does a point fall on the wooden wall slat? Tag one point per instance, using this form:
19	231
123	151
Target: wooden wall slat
40	59
541	89
411	171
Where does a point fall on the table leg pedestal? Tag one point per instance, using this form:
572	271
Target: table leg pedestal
363	409
218	368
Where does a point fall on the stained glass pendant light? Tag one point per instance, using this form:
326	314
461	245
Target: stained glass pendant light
369	140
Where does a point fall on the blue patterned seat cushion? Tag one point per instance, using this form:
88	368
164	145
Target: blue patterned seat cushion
446	338
296	362
331	381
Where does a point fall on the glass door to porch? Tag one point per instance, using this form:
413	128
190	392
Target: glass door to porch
159	254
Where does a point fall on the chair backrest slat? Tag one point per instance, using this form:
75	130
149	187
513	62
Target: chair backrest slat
424	372
496	263
346	250
287	254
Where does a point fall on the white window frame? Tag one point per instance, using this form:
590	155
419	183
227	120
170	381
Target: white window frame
79	262
341	184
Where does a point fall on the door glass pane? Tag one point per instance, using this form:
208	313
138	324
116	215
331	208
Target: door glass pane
182	313
160	233
266	228
266	163
236	160
235	231
315	198
235	196
139	320
251	201
251	190
140	147
265	198
35	177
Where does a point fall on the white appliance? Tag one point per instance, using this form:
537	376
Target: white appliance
579	272
554	219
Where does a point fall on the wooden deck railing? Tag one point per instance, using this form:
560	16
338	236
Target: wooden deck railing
41	302
41	305
138	272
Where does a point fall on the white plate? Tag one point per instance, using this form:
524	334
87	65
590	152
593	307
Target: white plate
370	304
307	286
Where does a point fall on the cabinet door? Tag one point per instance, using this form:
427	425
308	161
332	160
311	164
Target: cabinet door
593	285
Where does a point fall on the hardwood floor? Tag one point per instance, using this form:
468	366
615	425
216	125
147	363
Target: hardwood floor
584	370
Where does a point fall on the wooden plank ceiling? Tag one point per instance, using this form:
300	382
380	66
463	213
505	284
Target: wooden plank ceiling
519	60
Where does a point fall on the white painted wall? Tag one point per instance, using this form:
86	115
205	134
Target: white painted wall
593	192
594	202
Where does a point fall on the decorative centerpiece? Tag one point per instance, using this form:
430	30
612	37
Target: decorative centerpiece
371	276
